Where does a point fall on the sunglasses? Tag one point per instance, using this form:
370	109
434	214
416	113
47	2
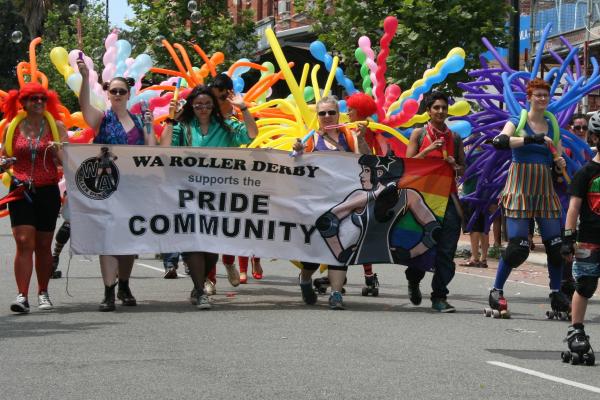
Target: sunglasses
36	99
118	92
580	127
329	112
202	106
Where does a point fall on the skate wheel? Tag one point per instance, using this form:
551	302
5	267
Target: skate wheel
365	291
487	312
375	292
496	313
321	290
565	356
550	314
344	290
575	359
590	359
563	316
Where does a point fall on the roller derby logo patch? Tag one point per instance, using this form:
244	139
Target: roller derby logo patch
98	177
593	195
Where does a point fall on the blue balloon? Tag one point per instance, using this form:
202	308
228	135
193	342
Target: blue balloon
238	85
343	106
461	127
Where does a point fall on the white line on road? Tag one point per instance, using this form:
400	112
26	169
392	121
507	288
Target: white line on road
157	269
546	376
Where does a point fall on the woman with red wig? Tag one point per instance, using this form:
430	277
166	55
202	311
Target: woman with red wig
30	137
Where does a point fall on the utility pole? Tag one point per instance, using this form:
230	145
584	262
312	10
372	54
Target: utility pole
515	28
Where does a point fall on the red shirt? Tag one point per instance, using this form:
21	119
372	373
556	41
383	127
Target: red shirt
45	172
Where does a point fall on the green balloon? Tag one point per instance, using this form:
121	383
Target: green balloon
269	65
309	94
360	55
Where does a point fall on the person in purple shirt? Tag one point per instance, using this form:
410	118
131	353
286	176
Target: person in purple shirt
115	126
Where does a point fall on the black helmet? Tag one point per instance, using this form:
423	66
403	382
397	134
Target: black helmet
594	123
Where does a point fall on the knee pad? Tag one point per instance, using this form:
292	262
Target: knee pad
553	251
516	251
586	286
63	234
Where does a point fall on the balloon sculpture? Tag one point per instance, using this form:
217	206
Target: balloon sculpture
498	86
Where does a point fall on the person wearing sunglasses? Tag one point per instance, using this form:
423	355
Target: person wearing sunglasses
579	126
201	124
115	126
222	89
34	188
330	136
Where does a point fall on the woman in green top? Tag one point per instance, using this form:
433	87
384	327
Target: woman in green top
201	124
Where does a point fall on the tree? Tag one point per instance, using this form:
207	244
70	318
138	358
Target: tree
213	29
11	52
427	30
33	13
60	30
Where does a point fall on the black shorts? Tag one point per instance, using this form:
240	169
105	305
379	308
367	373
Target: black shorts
41	212
479	224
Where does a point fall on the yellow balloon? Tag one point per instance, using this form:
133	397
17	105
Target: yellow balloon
6	179
457	50
459	108
60	59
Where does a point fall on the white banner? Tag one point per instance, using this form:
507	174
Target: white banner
251	202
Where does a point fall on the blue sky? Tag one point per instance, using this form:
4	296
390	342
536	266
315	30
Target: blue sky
118	10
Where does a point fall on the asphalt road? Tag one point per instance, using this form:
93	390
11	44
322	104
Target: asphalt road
260	341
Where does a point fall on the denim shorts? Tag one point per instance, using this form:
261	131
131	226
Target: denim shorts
587	261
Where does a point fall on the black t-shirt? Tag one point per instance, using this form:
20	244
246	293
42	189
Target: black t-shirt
586	185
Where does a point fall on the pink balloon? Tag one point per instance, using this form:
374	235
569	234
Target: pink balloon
109	56
160	101
108	72
129	61
392	92
110	40
73	56
136	108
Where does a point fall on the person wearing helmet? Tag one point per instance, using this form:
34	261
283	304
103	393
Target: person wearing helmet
583	244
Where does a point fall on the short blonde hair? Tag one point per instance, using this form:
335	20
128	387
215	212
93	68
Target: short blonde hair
329	100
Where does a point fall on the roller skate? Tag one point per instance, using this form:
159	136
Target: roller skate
371	285
561	306
56	273
498	305
580	351
321	285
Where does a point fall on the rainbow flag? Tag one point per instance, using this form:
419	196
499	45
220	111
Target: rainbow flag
434	180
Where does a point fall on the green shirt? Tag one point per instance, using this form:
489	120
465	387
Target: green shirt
216	136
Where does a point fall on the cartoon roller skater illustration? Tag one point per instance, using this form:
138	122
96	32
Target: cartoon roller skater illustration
104	179
374	209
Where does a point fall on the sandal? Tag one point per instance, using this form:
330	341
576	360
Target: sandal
469	263
483	264
257	271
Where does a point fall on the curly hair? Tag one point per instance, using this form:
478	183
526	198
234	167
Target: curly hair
537	83
13	102
363	104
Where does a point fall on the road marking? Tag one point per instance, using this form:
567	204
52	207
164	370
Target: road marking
157	269
509	280
546	376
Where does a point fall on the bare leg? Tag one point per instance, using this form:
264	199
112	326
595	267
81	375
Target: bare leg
336	279
578	307
109	267
43	259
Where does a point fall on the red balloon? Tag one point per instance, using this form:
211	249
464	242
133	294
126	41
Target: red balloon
83	137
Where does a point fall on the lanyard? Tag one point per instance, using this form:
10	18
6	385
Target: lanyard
33	149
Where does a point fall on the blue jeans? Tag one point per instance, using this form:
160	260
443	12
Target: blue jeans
444	257
170	260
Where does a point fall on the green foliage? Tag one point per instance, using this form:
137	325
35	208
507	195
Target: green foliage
427	30
11	52
170	19
60	30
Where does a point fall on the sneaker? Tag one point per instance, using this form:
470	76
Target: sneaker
233	276
414	293
336	301
308	293
203	303
194	297
20	305
44	302
210	287
171	273
442	305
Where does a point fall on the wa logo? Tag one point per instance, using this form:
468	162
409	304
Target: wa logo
98	177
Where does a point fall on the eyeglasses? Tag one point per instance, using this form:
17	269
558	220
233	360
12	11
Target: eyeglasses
118	92
580	127
36	99
328	112
202	106
541	96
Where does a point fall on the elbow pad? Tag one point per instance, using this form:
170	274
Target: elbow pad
501	142
328	224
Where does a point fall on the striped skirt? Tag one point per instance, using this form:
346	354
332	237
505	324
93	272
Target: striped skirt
529	192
